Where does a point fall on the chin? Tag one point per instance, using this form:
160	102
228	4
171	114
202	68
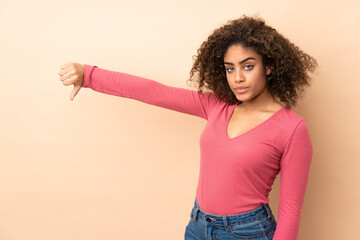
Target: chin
241	98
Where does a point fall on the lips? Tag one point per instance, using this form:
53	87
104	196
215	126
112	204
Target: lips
239	88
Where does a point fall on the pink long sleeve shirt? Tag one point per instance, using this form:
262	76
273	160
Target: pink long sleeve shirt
236	174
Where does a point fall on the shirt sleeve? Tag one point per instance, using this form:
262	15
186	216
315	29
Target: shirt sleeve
295	167
148	91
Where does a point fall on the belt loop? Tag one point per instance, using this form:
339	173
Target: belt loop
267	207
196	210
227	227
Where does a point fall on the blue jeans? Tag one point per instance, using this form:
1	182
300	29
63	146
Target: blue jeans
256	224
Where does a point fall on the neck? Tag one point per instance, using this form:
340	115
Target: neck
264	102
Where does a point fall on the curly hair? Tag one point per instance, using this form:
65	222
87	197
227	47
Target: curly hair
290	66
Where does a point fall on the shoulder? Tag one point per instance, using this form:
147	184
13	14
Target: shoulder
289	116
286	124
208	95
297	127
287	120
211	100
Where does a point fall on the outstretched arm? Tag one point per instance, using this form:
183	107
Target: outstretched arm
295	168
147	91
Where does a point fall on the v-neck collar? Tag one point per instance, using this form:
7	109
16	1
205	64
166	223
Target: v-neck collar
250	130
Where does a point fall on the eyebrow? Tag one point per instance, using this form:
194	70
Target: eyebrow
241	61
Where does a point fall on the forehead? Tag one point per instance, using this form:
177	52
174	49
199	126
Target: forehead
237	51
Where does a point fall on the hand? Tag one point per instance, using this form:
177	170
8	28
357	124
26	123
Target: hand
72	73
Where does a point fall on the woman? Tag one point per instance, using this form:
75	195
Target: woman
254	76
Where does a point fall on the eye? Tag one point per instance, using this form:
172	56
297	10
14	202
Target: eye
248	67
229	70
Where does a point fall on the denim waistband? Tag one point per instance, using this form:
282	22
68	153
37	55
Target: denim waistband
226	220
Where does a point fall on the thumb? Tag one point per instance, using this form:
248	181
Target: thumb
75	90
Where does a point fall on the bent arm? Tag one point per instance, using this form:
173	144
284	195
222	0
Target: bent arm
146	90
295	168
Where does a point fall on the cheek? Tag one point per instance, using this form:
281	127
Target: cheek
259	78
258	83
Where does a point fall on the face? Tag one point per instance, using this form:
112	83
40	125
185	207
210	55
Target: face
244	68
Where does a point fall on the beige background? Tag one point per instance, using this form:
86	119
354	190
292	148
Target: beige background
104	167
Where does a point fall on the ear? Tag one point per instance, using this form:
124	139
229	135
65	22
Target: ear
268	70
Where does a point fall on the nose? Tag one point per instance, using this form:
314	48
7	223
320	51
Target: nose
238	76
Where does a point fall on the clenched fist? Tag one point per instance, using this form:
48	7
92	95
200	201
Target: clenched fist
72	73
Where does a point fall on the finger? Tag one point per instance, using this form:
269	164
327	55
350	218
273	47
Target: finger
75	90
66	76
65	71
69	80
66	65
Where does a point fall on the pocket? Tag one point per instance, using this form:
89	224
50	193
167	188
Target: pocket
270	226
250	230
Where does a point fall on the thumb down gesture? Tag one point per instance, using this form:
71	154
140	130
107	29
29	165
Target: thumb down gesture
72	73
